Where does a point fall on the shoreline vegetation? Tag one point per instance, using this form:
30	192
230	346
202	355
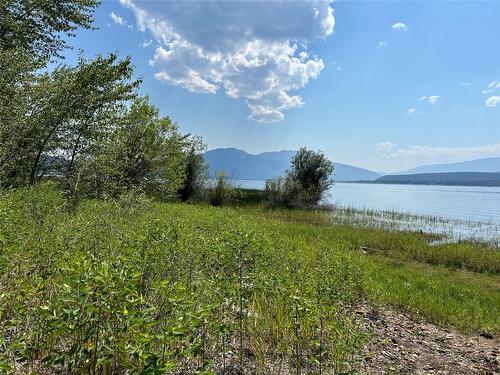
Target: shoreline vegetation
119	256
135	284
443	179
439	229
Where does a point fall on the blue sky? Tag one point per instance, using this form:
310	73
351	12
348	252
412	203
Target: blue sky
381	85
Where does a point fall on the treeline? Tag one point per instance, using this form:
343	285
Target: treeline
444	178
85	125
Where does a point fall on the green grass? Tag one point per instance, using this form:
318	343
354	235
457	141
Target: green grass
404	246
141	287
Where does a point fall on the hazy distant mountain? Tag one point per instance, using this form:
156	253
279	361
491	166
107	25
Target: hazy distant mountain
450	178
345	172
479	165
239	164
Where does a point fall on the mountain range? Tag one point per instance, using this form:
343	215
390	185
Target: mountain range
239	164
478	165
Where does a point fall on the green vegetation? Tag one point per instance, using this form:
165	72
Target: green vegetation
220	192
446	178
305	183
134	285
84	125
101	272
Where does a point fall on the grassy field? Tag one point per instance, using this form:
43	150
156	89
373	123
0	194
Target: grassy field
133	286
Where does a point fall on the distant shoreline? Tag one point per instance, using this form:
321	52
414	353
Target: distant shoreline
421	183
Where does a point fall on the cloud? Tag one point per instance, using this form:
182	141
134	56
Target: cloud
399	26
492	86
382	44
255	51
385	147
117	19
430	99
432	152
465	84
412	110
492	101
433	99
146	43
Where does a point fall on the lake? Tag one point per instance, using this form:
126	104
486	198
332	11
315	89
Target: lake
461	211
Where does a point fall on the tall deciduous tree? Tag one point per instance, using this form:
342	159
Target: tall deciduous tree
144	152
65	112
31	33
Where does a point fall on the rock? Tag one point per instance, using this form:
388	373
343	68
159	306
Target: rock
486	335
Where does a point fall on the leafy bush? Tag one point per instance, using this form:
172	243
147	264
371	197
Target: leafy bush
196	170
312	173
281	192
304	184
221	191
144	152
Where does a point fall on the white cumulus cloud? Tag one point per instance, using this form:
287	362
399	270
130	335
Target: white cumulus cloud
399	26
382	44
257	51
117	19
433	99
492	101
412	110
492	86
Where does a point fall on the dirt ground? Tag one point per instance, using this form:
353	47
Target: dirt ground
402	345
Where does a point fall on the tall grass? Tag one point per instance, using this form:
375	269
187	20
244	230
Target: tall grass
140	287
132	286
420	247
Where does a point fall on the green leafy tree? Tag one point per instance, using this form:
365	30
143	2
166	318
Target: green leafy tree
196	170
31	33
144	152
311	172
304	184
65	113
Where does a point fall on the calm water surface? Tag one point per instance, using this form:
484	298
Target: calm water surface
466	211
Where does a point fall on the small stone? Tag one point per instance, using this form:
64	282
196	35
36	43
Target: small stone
486	335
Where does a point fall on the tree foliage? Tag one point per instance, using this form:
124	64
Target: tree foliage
196	170
37	27
312	172
82	124
144	152
305	183
62	114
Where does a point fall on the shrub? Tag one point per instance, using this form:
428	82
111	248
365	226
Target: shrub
281	192
311	171
221	192
195	170
305	184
